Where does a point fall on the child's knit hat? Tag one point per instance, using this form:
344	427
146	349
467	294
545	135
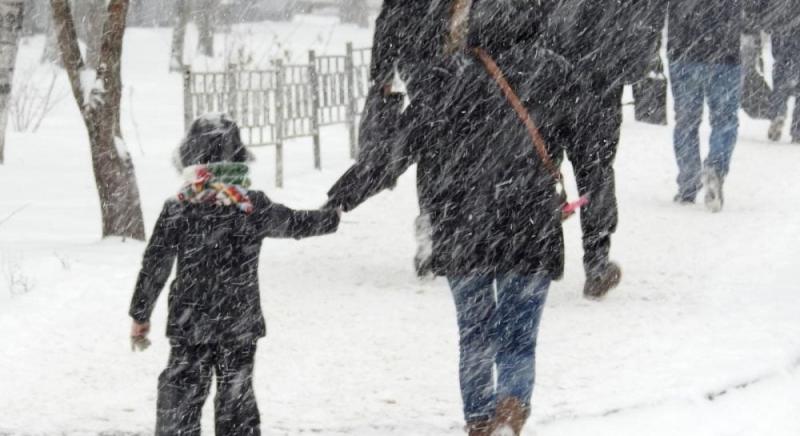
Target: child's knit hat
212	137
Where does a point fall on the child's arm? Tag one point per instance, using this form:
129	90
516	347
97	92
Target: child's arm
275	220
156	266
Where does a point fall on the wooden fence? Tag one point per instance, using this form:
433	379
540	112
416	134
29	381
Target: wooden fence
286	101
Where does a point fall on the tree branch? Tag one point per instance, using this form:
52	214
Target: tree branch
68	45
113	31
110	65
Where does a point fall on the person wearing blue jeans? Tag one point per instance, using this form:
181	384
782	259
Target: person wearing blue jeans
498	321
782	24
692	83
494	207
704	53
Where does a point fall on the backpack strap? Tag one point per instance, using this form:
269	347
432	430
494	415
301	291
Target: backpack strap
539	144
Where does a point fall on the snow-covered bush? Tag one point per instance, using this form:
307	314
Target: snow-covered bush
36	92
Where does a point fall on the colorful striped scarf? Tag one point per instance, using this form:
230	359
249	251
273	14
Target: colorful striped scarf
220	183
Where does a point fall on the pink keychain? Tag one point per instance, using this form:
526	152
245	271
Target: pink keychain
569	209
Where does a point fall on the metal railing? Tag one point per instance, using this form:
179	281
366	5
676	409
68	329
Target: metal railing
286	101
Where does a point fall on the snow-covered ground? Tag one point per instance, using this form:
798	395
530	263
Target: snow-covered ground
701	338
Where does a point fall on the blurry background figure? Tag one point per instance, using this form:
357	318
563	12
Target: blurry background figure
782	20
756	93
704	51
650	95
604	63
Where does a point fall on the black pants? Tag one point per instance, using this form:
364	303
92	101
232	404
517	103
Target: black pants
596	130
786	77
184	385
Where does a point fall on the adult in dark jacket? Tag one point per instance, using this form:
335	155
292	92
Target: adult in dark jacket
704	54
408	43
610	44
494	210
782	20
214	228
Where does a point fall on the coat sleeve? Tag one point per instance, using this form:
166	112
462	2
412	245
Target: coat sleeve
644	42
156	265
383	155
386	43
755	16
274	220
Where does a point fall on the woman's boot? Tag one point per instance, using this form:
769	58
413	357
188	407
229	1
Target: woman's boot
479	428
510	417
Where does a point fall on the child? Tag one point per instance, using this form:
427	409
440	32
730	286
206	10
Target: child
214	227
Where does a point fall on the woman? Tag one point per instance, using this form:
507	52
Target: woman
494	208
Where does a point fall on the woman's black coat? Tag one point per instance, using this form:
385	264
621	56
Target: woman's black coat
492	203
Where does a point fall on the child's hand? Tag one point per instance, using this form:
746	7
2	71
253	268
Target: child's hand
139	333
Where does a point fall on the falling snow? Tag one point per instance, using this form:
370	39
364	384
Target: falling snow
701	336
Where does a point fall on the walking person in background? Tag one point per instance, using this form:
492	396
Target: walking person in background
214	228
704	54
782	20
610	44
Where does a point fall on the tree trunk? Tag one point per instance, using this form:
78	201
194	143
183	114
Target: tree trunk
10	28
204	18
94	31
181	14
50	53
89	16
99	105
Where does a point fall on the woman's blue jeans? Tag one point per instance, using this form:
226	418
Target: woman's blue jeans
498	321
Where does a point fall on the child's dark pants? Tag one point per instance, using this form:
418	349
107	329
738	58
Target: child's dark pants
184	385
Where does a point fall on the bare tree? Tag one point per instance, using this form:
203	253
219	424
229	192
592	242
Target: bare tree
50	52
181	16
98	94
89	17
10	28
204	18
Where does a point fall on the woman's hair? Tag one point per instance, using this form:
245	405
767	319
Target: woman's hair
212	137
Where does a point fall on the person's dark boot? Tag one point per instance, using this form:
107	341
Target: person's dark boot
481	427
775	129
598	285
510	417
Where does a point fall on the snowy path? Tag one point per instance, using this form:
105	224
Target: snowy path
358	346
